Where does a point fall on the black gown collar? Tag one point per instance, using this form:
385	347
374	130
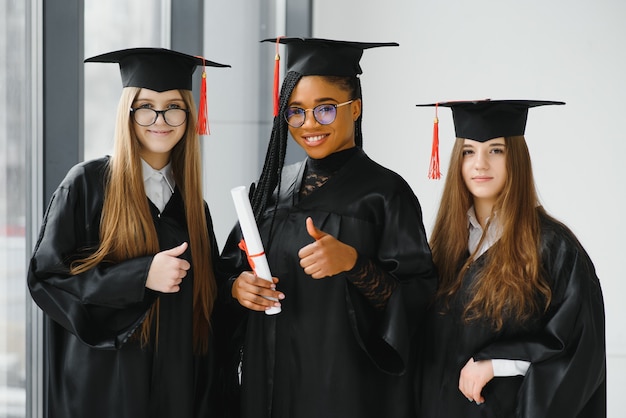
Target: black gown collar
331	163
327	166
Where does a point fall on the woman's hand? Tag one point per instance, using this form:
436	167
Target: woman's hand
326	256
474	376
167	270
252	292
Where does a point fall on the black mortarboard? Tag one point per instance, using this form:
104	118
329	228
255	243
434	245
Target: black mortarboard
157	69
482	120
314	56
161	69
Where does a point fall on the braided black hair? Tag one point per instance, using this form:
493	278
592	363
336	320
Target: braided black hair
358	132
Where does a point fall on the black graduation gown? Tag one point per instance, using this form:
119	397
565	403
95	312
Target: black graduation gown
94	368
328	353
565	346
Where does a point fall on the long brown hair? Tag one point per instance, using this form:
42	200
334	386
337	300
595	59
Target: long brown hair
127	229
510	281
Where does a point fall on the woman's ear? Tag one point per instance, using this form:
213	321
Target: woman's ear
355	106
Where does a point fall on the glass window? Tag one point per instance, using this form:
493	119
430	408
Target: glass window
13	257
112	25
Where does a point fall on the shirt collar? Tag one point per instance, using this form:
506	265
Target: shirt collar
492	235
166	171
472	219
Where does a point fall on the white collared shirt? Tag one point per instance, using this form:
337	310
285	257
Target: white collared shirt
159	184
501	367
494	232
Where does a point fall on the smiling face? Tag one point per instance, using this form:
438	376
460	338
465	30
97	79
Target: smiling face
157	140
484	170
318	140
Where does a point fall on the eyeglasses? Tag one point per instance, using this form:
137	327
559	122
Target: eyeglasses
324	114
145	116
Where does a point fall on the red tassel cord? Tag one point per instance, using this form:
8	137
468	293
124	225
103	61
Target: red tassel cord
203	109
276	79
433	171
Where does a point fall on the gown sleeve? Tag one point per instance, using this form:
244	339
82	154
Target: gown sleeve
568	356
375	283
102	306
402	252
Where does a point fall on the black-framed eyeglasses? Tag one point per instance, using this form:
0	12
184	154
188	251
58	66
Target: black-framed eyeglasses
324	114
145	116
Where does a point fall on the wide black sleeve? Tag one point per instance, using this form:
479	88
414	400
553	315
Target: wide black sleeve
102	306
374	282
567	376
402	251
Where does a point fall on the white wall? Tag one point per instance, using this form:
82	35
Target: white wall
569	50
240	112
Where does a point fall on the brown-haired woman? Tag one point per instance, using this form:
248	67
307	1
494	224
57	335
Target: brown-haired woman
517	328
123	267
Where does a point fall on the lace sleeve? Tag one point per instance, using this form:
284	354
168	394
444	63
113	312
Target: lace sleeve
373	282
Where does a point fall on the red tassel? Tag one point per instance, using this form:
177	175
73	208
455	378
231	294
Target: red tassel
276	79
433	171
203	111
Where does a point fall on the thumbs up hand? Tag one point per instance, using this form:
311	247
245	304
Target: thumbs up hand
326	256
315	233
167	270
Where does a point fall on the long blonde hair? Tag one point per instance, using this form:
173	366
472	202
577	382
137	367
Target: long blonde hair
127	229
509	283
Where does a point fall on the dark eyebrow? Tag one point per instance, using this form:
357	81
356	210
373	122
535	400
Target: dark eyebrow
318	101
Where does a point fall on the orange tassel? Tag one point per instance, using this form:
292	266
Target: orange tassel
203	111
433	171
276	79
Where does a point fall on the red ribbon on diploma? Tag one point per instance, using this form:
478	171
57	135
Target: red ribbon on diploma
244	248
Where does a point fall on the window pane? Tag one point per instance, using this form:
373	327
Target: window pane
112	25
13	117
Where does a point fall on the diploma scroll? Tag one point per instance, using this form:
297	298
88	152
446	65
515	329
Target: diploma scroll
253	244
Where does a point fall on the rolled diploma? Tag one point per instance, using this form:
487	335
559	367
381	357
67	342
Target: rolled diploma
252	238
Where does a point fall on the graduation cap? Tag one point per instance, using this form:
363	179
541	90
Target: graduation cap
316	56
160	69
482	120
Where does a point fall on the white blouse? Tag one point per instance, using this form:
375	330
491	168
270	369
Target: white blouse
159	184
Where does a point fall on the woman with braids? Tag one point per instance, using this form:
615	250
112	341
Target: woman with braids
346	244
517	329
124	264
